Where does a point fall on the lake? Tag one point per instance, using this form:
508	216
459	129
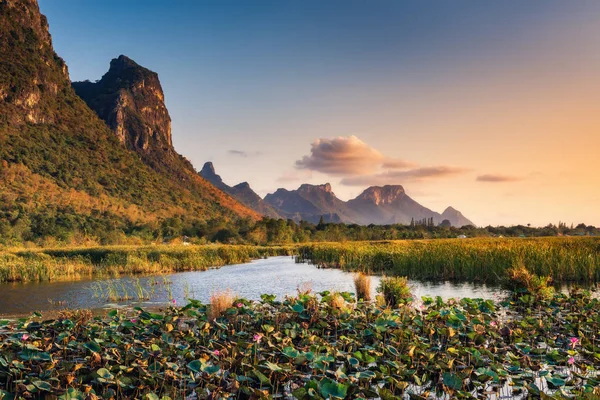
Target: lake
280	276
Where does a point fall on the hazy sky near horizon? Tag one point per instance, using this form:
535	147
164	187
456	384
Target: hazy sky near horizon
491	107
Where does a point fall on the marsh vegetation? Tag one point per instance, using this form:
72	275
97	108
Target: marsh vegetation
312	346
483	260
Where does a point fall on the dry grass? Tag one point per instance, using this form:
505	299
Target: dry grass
219	303
337	302
362	284
305	288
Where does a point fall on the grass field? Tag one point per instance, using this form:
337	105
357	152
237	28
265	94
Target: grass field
72	263
486	260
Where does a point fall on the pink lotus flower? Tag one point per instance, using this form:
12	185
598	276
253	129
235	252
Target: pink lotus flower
24	337
574	341
239	305
174	301
257	337
571	361
134	321
217	353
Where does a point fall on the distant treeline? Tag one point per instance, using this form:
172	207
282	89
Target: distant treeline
47	231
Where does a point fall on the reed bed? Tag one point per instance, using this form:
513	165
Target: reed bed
564	259
114	261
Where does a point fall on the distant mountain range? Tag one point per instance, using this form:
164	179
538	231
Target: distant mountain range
241	192
379	205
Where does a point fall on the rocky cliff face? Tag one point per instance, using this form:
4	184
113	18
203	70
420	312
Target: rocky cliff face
381	195
31	74
130	99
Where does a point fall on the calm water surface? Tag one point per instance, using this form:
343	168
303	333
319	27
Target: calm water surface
280	276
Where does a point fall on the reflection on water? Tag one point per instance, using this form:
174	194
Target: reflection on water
280	276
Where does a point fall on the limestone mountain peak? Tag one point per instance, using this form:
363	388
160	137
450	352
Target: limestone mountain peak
382	194
242	185
326	187
130	99
209	169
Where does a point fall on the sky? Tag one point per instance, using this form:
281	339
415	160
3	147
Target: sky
490	107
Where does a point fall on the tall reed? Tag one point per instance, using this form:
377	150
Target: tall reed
73	263
486	259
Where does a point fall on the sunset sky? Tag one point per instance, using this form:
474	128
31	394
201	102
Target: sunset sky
491	107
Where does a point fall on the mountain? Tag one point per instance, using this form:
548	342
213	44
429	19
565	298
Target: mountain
382	205
322	197
242	192
130	99
455	217
292	205
63	171
379	205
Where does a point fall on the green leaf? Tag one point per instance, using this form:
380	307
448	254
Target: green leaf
195	366
298	308
70	394
300	393
452	381
365	375
273	367
290	352
41	385
261	377
334	389
93	347
211	369
104	373
555	381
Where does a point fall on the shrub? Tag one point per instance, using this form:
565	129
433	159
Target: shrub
336	301
395	290
522	281
362	284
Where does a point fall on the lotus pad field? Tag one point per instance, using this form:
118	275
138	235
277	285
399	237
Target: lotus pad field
325	346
